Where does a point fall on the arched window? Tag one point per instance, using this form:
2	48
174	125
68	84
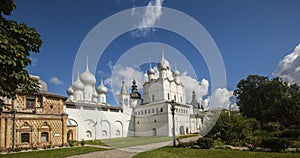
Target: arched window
104	133
88	134
117	133
45	137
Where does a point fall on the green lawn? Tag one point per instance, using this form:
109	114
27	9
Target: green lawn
134	141
202	153
53	153
95	142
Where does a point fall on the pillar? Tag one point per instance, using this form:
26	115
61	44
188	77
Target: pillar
8	131
64	129
2	133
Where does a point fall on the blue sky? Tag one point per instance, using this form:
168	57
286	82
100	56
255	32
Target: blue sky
253	36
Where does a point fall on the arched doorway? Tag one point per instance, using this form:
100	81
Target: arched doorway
181	130
70	135
154	132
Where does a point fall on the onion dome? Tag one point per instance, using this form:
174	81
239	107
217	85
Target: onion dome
101	88
176	73
78	85
150	71
86	77
134	91
70	91
43	85
163	64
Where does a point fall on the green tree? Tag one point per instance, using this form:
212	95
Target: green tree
17	41
269	100
233	129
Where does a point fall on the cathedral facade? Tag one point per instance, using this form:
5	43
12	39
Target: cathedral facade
147	114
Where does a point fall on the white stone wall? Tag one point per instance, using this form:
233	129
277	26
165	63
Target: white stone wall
109	124
151	120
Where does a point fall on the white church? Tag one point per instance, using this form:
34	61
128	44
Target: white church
149	114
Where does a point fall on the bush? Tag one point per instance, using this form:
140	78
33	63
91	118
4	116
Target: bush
205	143
218	142
187	144
276	134
82	142
272	127
291	133
73	143
258	136
276	144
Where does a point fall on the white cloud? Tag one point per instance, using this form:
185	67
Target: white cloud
221	97
56	81
190	84
152	14
127	74
289	67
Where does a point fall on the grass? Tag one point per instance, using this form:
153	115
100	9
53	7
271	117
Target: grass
95	142
53	153
134	141
202	153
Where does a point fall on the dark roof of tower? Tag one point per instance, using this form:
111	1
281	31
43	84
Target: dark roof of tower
134	92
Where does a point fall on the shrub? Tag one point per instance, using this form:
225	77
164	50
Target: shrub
271	127
291	133
187	144
73	143
276	134
258	136
276	144
205	143
218	142
82	142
